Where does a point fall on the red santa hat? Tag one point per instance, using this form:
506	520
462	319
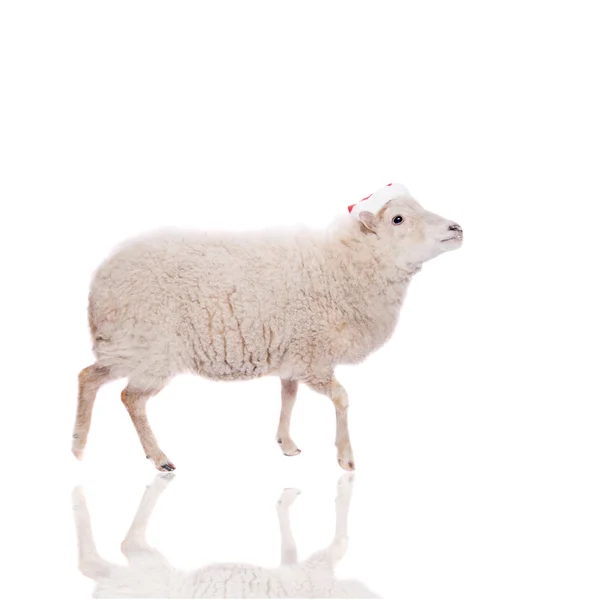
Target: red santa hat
377	200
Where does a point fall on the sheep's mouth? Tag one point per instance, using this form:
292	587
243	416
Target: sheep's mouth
453	238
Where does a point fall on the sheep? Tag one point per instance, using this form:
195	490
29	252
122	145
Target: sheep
150	575
239	306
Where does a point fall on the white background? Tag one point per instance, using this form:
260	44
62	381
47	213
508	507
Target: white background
475	430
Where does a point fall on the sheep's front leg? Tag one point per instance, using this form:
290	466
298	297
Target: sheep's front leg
289	389
339	397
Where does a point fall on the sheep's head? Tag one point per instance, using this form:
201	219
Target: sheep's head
416	233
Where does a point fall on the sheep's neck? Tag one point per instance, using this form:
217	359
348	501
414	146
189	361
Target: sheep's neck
377	272
376	282
383	291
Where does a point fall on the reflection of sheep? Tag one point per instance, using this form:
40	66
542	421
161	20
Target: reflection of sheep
242	306
149	575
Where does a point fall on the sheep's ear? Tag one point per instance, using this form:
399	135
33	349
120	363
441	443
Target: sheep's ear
368	220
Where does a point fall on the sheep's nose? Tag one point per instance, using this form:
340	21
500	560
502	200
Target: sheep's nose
455	227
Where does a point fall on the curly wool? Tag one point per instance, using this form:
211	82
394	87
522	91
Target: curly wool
238	306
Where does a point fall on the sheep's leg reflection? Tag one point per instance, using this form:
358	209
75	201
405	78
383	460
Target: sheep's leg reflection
330	556
289	554
134	545
342	507
91	564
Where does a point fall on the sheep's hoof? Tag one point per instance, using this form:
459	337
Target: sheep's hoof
288	447
346	465
161	462
76	449
293	452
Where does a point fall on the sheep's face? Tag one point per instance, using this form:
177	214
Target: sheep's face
418	235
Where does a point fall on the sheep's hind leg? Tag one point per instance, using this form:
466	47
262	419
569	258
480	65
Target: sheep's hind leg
339	397
91	380
135	402
289	389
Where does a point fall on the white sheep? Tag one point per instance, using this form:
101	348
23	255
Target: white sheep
149	574
239	306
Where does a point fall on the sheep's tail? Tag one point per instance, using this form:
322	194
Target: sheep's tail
91	319
97	337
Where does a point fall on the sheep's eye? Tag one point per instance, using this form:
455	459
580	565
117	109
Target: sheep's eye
397	220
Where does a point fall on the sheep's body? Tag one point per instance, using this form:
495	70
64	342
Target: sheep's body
239	306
